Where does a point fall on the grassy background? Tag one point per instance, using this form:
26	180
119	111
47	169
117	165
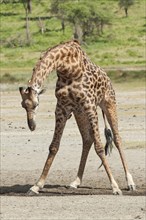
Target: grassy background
121	45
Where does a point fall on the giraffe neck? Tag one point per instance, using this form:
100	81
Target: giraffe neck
65	58
44	66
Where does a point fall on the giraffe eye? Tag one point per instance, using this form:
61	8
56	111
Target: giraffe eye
35	105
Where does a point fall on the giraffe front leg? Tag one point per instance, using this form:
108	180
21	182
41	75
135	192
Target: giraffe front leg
77	182
40	183
53	149
85	130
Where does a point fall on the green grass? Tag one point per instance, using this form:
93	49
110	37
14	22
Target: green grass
121	45
136	78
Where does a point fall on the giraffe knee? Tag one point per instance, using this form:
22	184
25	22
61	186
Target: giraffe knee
53	149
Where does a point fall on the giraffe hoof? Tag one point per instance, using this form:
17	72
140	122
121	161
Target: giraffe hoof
73	186
33	191
131	188
117	192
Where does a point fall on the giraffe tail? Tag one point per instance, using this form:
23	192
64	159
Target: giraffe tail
109	139
108	136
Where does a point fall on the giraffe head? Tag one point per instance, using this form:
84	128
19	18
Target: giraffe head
30	102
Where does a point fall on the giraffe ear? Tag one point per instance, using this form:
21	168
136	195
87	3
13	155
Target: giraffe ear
22	90
42	91
29	89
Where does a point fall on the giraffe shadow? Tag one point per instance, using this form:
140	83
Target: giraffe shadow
23	189
62	190
52	190
15	189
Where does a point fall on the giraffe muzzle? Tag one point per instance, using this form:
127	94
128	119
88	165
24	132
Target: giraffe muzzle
31	124
31	120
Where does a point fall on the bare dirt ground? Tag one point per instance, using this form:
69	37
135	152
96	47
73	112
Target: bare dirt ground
23	154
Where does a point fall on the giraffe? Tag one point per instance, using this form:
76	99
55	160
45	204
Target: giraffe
80	88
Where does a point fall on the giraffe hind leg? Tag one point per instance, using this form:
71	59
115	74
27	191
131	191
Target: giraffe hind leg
109	108
93	118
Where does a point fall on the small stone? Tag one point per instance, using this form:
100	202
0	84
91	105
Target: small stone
138	217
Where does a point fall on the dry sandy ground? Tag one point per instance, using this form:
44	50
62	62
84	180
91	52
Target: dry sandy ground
23	154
